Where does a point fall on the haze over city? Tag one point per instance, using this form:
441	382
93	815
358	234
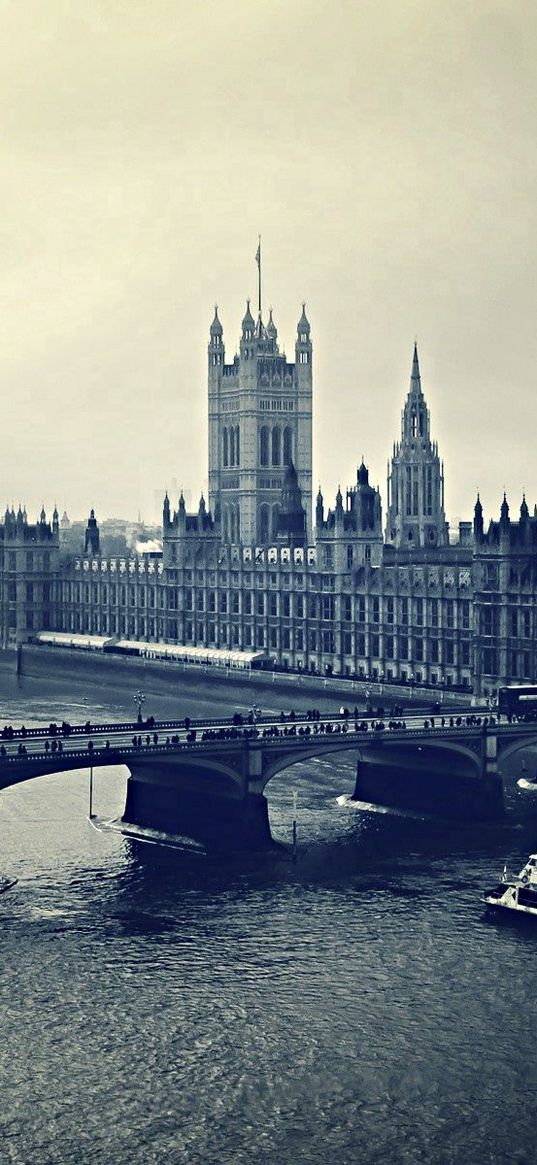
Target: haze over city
386	154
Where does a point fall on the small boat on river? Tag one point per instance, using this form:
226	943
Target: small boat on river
516	893
528	784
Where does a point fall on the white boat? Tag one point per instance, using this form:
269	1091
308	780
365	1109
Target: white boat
528	784
518	893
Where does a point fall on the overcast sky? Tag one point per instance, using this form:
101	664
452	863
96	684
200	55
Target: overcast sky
386	151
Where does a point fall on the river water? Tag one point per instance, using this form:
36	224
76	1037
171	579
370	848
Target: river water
354	1006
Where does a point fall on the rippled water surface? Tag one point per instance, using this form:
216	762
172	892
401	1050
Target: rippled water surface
354	1006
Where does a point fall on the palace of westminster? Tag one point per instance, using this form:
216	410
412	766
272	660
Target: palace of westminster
256	570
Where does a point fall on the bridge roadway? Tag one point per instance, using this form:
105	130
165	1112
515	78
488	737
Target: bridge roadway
207	777
109	743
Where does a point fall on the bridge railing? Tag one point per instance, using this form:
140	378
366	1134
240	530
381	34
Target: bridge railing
201	737
64	730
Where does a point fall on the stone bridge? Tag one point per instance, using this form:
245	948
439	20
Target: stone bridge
207	779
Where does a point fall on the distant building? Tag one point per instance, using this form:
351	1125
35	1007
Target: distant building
250	570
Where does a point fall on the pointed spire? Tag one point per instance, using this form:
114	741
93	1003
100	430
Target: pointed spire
415	378
216	328
260	330
248	322
271	329
303	327
524	512
478	520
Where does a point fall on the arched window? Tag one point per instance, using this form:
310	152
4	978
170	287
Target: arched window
264	523
231	445
414	425
276	446
231	523
226	447
275	515
237	446
238	522
225	523
287	445
264	446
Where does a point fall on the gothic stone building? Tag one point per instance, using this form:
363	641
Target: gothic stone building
249	573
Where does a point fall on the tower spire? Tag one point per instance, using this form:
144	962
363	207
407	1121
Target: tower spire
415	378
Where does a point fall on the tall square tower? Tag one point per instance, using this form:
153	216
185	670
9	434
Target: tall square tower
260	421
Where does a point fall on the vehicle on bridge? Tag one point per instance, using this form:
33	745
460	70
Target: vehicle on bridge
518	700
519	893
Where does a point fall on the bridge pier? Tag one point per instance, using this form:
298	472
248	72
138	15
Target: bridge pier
421	784
195	802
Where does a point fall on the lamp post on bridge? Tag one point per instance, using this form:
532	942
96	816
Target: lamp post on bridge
139	700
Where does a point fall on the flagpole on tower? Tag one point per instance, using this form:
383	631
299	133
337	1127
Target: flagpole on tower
258	261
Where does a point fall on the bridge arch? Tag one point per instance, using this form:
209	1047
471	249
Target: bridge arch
364	747
514	746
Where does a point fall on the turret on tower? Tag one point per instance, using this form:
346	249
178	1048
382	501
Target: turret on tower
92	542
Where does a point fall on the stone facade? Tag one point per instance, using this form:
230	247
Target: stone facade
337	599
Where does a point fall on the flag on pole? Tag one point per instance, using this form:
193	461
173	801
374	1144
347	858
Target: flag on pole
258	261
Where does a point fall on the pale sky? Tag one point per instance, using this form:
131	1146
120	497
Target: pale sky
385	150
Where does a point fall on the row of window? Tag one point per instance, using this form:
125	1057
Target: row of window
324	606
275	447
33	560
519	623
